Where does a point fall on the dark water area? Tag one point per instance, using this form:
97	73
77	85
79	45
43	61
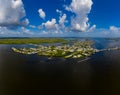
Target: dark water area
35	75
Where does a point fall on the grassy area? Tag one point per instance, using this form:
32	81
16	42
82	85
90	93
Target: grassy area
32	41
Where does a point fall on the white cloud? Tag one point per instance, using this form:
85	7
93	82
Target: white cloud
91	29
50	24
51	33
81	9
32	26
4	31
58	11
53	27
25	22
26	31
62	20
113	31
41	13
114	28
44	32
11	12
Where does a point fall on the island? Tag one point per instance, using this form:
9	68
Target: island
77	49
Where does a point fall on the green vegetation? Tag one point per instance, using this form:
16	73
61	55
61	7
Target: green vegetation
32	41
77	50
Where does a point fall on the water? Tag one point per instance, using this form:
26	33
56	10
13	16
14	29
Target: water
34	75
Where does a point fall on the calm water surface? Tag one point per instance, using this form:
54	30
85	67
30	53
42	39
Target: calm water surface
35	75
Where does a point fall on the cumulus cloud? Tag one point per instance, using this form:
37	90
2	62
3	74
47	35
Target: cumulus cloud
50	24
26	31
62	20
91	29
81	9
114	28
113	31
22	31
79	20
41	13
25	22
11	12
4	31
32	26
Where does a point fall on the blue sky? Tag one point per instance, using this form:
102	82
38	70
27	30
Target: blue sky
105	13
60	18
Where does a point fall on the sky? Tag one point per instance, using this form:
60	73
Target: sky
59	18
